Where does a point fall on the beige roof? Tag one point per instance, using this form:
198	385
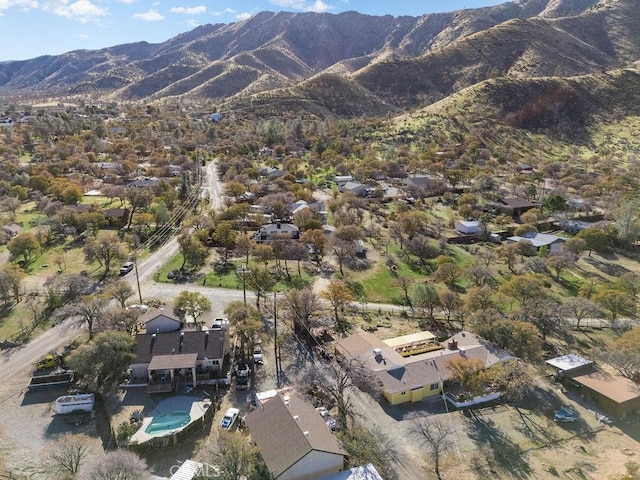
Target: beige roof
168	362
399	373
286	429
405	340
616	387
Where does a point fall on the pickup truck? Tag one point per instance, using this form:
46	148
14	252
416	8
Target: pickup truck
257	355
242	377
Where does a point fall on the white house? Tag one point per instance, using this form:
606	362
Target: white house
469	228
294	440
539	240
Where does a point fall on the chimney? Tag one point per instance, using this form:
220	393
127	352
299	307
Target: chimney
286	400
153	341
206	340
278	224
181	342
377	353
452	345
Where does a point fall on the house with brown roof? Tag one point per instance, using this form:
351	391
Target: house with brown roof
614	394
515	206
165	361
415	367
294	440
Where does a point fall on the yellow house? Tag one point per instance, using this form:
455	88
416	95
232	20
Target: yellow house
414	367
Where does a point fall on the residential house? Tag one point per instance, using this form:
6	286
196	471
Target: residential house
169	360
419	186
414	367
573	226
364	472
163	324
469	227
277	230
515	206
117	217
614	394
342	179
144	182
272	173
294	440
540	240
355	188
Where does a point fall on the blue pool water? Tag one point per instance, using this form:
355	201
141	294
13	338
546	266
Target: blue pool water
166	422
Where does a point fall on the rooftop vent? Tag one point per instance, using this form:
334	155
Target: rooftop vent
296	418
286	400
377	352
463	351
307	433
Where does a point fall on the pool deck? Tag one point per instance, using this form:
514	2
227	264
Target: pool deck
194	405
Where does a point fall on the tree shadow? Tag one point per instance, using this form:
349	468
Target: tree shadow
610	269
506	453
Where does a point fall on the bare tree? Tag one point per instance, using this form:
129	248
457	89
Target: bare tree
120	291
581	308
301	308
68	452
338	379
118	465
435	435
88	310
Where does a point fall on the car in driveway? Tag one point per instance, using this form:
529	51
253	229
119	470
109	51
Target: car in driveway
230	417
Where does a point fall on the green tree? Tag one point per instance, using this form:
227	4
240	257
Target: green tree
194	252
120	291
102	364
338	294
616	302
247	323
24	245
161	214
237	458
518	337
225	236
193	304
11	277
595	239
105	248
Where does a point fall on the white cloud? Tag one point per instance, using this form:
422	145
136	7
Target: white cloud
226	11
296	4
319	7
21	4
81	11
189	10
243	16
84	35
150	16
128	1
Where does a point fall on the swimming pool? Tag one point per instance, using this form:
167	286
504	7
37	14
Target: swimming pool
166	422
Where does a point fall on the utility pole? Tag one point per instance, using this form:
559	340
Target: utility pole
242	271
135	263
275	338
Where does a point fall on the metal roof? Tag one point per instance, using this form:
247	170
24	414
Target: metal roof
187	471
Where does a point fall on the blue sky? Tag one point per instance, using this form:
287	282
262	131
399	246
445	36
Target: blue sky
32	28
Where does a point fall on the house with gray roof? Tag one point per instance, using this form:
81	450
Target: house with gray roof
294	440
540	240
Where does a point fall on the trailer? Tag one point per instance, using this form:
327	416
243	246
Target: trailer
83	402
51	380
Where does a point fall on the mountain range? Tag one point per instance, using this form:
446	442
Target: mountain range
347	64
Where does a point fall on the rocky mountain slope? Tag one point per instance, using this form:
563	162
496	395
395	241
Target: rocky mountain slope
346	64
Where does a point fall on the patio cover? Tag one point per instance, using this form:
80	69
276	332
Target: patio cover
170	362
